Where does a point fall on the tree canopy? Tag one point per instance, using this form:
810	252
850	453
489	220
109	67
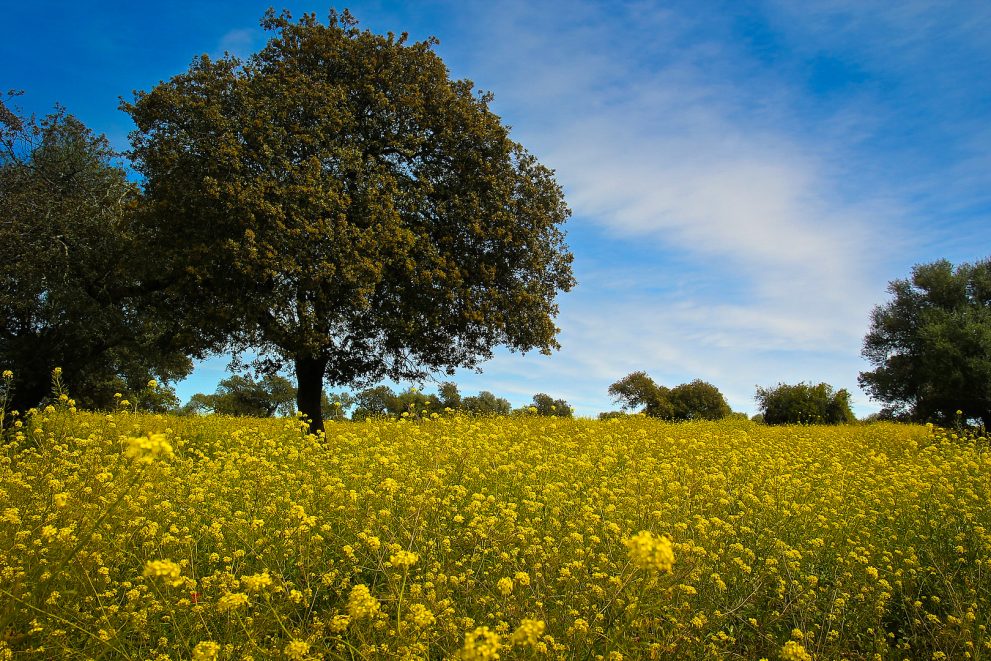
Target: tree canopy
242	395
340	203
696	400
72	274
546	405
804	403
930	345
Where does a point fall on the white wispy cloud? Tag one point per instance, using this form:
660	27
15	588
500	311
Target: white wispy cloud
679	154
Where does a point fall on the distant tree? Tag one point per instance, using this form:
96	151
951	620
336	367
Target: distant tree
198	404
450	396
415	402
335	406
342	205
889	414
74	274
241	395
377	401
547	405
804	403
931	344
698	400
639	391
157	398
485	403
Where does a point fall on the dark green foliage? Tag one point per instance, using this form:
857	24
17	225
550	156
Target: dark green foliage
449	395
414	402
342	205
377	401
241	395
639	391
547	405
485	403
383	401
804	403
697	400
74	275
335	406
889	414
931	344
156	398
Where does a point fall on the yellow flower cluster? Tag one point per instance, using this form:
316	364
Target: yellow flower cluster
528	632
166	570
480	645
492	538
206	651
793	651
296	649
361	603
403	559
146	449
421	616
257	582
648	551
232	601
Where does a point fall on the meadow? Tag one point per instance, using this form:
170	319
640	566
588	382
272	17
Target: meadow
138	536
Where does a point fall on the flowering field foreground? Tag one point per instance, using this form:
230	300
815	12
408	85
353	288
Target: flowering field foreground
155	537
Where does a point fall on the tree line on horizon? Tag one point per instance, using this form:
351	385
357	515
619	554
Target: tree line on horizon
337	203
242	395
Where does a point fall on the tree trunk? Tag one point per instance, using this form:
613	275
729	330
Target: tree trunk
309	386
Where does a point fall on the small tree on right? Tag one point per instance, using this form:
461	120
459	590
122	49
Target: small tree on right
931	344
804	403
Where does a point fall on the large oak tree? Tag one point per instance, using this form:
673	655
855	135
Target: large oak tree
342	204
930	345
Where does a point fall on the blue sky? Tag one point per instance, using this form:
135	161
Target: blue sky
745	177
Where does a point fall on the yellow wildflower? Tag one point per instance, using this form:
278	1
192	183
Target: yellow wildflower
166	570
480	644
361	603
421	616
339	623
296	649
647	551
793	651
528	633
257	582
403	559
232	601
145	449
206	651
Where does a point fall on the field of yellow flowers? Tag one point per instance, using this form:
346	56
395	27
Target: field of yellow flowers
155	537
